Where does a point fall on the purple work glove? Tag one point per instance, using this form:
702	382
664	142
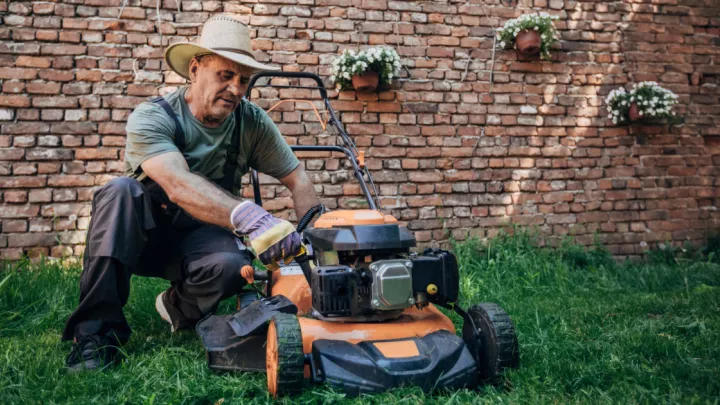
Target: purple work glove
271	238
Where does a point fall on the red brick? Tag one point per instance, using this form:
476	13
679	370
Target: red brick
22	181
19	211
16	101
65	209
43	88
424	177
18	73
384	107
96	153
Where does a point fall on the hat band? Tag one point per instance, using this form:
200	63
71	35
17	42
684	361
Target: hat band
235	50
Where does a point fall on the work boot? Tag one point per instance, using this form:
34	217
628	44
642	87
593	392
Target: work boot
92	353
166	306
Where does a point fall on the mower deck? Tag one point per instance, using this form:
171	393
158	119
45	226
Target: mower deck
419	348
438	360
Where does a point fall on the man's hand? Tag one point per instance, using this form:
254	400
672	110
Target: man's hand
271	238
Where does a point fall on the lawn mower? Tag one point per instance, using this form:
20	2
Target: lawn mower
358	308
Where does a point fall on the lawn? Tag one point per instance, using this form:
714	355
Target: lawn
590	331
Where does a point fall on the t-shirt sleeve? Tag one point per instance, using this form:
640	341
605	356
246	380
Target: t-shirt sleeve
149	133
271	155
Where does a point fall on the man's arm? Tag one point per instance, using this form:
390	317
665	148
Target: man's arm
197	196
303	192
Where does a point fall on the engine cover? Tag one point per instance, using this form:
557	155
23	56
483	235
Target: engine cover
392	286
387	237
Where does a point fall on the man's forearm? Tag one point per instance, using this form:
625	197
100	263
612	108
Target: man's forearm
304	198
202	199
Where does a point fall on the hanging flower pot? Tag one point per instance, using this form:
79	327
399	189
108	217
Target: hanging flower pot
634	112
528	42
647	103
531	34
367	81
371	69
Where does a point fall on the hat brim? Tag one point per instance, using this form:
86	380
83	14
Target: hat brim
178	57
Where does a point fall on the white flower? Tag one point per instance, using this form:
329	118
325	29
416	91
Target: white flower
535	28
502	44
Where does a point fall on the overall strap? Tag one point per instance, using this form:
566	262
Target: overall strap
231	164
179	133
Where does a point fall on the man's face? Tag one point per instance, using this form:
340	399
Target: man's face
218	86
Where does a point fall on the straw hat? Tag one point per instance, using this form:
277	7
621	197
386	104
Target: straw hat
221	35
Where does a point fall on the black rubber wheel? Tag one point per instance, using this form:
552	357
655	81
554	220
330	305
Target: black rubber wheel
496	347
285	360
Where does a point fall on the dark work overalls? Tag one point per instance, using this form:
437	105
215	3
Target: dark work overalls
135	229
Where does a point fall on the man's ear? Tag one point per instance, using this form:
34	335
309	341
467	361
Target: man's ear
193	69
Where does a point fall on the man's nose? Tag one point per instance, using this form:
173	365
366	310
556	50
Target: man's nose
237	89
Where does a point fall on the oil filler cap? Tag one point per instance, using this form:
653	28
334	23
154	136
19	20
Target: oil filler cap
432	289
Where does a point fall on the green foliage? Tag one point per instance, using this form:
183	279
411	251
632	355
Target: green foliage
542	23
383	60
591	330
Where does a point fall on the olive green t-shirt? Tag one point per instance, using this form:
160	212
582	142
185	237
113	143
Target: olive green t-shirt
151	132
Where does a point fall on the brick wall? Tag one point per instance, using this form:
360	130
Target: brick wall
71	72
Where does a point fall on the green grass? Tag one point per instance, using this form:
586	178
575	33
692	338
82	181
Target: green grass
590	331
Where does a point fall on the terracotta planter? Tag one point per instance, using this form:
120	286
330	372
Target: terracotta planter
634	112
528	42
367	81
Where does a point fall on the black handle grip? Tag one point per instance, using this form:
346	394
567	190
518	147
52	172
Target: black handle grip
305	220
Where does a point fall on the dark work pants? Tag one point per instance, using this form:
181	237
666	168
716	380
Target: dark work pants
129	234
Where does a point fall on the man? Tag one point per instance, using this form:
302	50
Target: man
173	214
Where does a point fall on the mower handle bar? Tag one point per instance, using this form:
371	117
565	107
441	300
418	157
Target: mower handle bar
316	148
349	149
289	75
351	157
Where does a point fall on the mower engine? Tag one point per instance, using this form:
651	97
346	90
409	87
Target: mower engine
365	269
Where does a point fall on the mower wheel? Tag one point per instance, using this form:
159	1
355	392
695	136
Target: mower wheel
496	346
284	357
